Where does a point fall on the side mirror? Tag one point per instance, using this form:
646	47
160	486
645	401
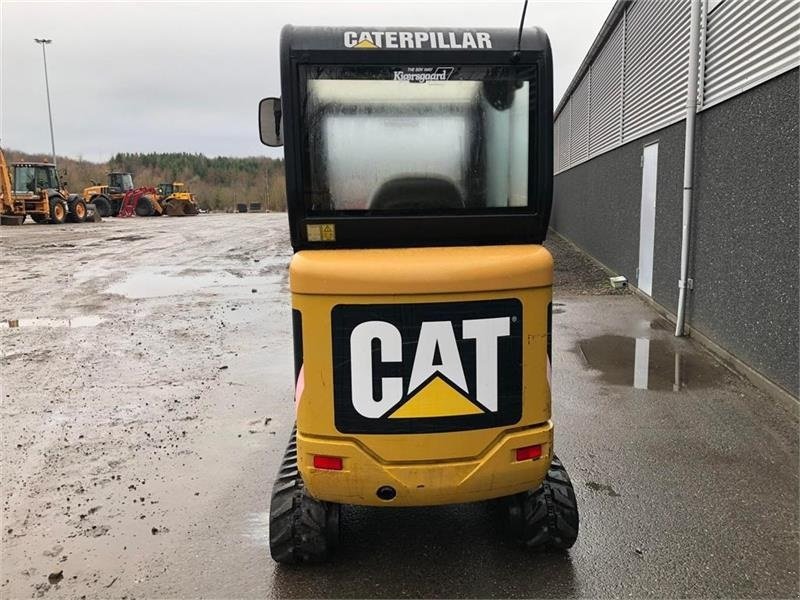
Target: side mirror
270	122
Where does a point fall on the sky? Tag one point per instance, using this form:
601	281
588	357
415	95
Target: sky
187	76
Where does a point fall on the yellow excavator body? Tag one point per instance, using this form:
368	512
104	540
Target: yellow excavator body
473	454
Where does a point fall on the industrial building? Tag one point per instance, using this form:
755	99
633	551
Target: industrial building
638	194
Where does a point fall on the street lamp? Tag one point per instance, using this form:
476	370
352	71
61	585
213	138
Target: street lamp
44	42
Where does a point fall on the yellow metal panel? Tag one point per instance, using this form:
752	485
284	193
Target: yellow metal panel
315	413
420	270
494	474
425	468
90	192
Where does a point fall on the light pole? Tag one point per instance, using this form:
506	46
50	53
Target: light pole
44	42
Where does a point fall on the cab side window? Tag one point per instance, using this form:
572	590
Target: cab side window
45	178
24	180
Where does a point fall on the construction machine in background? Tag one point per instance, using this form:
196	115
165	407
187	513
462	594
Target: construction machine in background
109	198
142	202
34	188
176	199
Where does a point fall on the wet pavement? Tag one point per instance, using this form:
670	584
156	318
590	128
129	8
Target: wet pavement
138	448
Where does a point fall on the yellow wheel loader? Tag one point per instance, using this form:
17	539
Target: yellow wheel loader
109	198
176	200
34	189
419	185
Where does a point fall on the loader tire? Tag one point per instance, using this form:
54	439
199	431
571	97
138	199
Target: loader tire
301	529
58	211
39	218
103	206
77	214
546	517
144	207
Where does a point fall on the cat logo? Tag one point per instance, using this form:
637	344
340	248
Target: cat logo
405	368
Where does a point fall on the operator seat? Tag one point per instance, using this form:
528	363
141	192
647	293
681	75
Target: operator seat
417	193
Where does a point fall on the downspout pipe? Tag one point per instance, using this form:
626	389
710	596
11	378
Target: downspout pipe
688	163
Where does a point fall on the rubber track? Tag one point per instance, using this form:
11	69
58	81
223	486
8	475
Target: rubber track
550	512
297	522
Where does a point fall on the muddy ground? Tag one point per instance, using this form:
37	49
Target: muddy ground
147	398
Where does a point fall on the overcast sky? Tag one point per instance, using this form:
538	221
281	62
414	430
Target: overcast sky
173	77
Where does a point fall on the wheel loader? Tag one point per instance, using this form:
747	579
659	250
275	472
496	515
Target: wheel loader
419	186
109	198
34	188
176	200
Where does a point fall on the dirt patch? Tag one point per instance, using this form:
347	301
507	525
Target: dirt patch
574	273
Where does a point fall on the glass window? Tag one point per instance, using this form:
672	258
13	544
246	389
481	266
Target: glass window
46	178
121	181
433	139
24	180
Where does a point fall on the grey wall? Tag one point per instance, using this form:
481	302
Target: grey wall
596	206
744	255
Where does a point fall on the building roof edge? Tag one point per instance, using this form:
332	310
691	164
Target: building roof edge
605	32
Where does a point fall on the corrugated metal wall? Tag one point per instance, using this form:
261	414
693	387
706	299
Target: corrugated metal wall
605	112
656	52
561	141
637	82
579	131
748	42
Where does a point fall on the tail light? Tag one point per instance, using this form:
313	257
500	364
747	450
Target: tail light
329	463
529	452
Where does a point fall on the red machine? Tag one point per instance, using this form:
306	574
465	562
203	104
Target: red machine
140	202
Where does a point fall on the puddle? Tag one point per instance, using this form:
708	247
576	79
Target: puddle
87	321
647	364
257	528
147	284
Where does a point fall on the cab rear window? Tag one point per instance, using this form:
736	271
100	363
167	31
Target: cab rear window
417	138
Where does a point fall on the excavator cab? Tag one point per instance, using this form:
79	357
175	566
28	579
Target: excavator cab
419	184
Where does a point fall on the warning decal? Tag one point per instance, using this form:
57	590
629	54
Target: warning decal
321	233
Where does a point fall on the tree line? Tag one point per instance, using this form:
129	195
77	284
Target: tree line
218	183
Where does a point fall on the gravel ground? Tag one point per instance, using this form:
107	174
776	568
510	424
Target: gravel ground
574	273
147	398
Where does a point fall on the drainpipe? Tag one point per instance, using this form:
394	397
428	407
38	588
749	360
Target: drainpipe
688	163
